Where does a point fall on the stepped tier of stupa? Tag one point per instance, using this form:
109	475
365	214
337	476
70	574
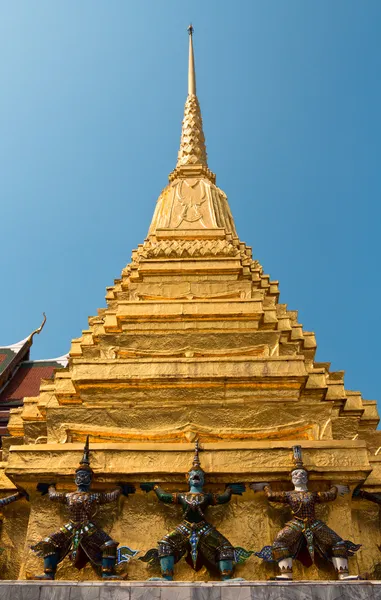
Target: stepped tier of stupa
193	344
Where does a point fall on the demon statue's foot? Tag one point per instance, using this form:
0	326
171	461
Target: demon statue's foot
235	579
285	568
160	579
285	575
342	572
45	576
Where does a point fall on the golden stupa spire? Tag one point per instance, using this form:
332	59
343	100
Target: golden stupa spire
192	201
192	146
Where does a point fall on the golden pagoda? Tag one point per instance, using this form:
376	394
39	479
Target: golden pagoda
193	345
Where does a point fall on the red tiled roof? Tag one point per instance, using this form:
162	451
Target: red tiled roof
9	357
26	381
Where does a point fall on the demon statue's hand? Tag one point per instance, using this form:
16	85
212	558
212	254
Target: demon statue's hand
341	489
147	486
127	488
23	493
258	487
44	487
357	492
236	488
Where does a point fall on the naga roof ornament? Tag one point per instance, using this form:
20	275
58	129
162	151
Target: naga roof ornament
39	329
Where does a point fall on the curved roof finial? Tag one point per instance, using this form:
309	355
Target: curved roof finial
39	329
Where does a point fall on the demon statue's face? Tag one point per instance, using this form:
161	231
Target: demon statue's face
83	479
196	478
299	477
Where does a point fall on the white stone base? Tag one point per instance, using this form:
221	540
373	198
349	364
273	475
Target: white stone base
148	590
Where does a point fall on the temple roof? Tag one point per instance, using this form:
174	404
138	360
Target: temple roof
27	378
11	356
21	377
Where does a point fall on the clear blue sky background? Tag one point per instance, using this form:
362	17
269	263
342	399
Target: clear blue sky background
91	103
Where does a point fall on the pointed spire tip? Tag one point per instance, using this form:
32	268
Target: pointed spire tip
191	67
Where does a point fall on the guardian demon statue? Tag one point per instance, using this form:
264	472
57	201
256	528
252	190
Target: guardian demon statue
304	534
81	538
194	537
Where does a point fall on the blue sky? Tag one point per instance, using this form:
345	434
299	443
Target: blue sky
90	115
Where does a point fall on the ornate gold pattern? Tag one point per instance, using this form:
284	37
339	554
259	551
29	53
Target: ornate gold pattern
189	249
192	145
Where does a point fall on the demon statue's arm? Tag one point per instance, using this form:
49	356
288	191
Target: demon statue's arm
56	496
231	488
373	497
163	496
13	497
333	492
50	489
107	497
270	493
122	488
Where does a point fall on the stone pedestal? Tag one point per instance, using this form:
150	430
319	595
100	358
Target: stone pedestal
147	590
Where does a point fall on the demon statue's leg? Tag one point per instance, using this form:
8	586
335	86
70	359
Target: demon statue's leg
50	567
226	569
109	560
166	565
